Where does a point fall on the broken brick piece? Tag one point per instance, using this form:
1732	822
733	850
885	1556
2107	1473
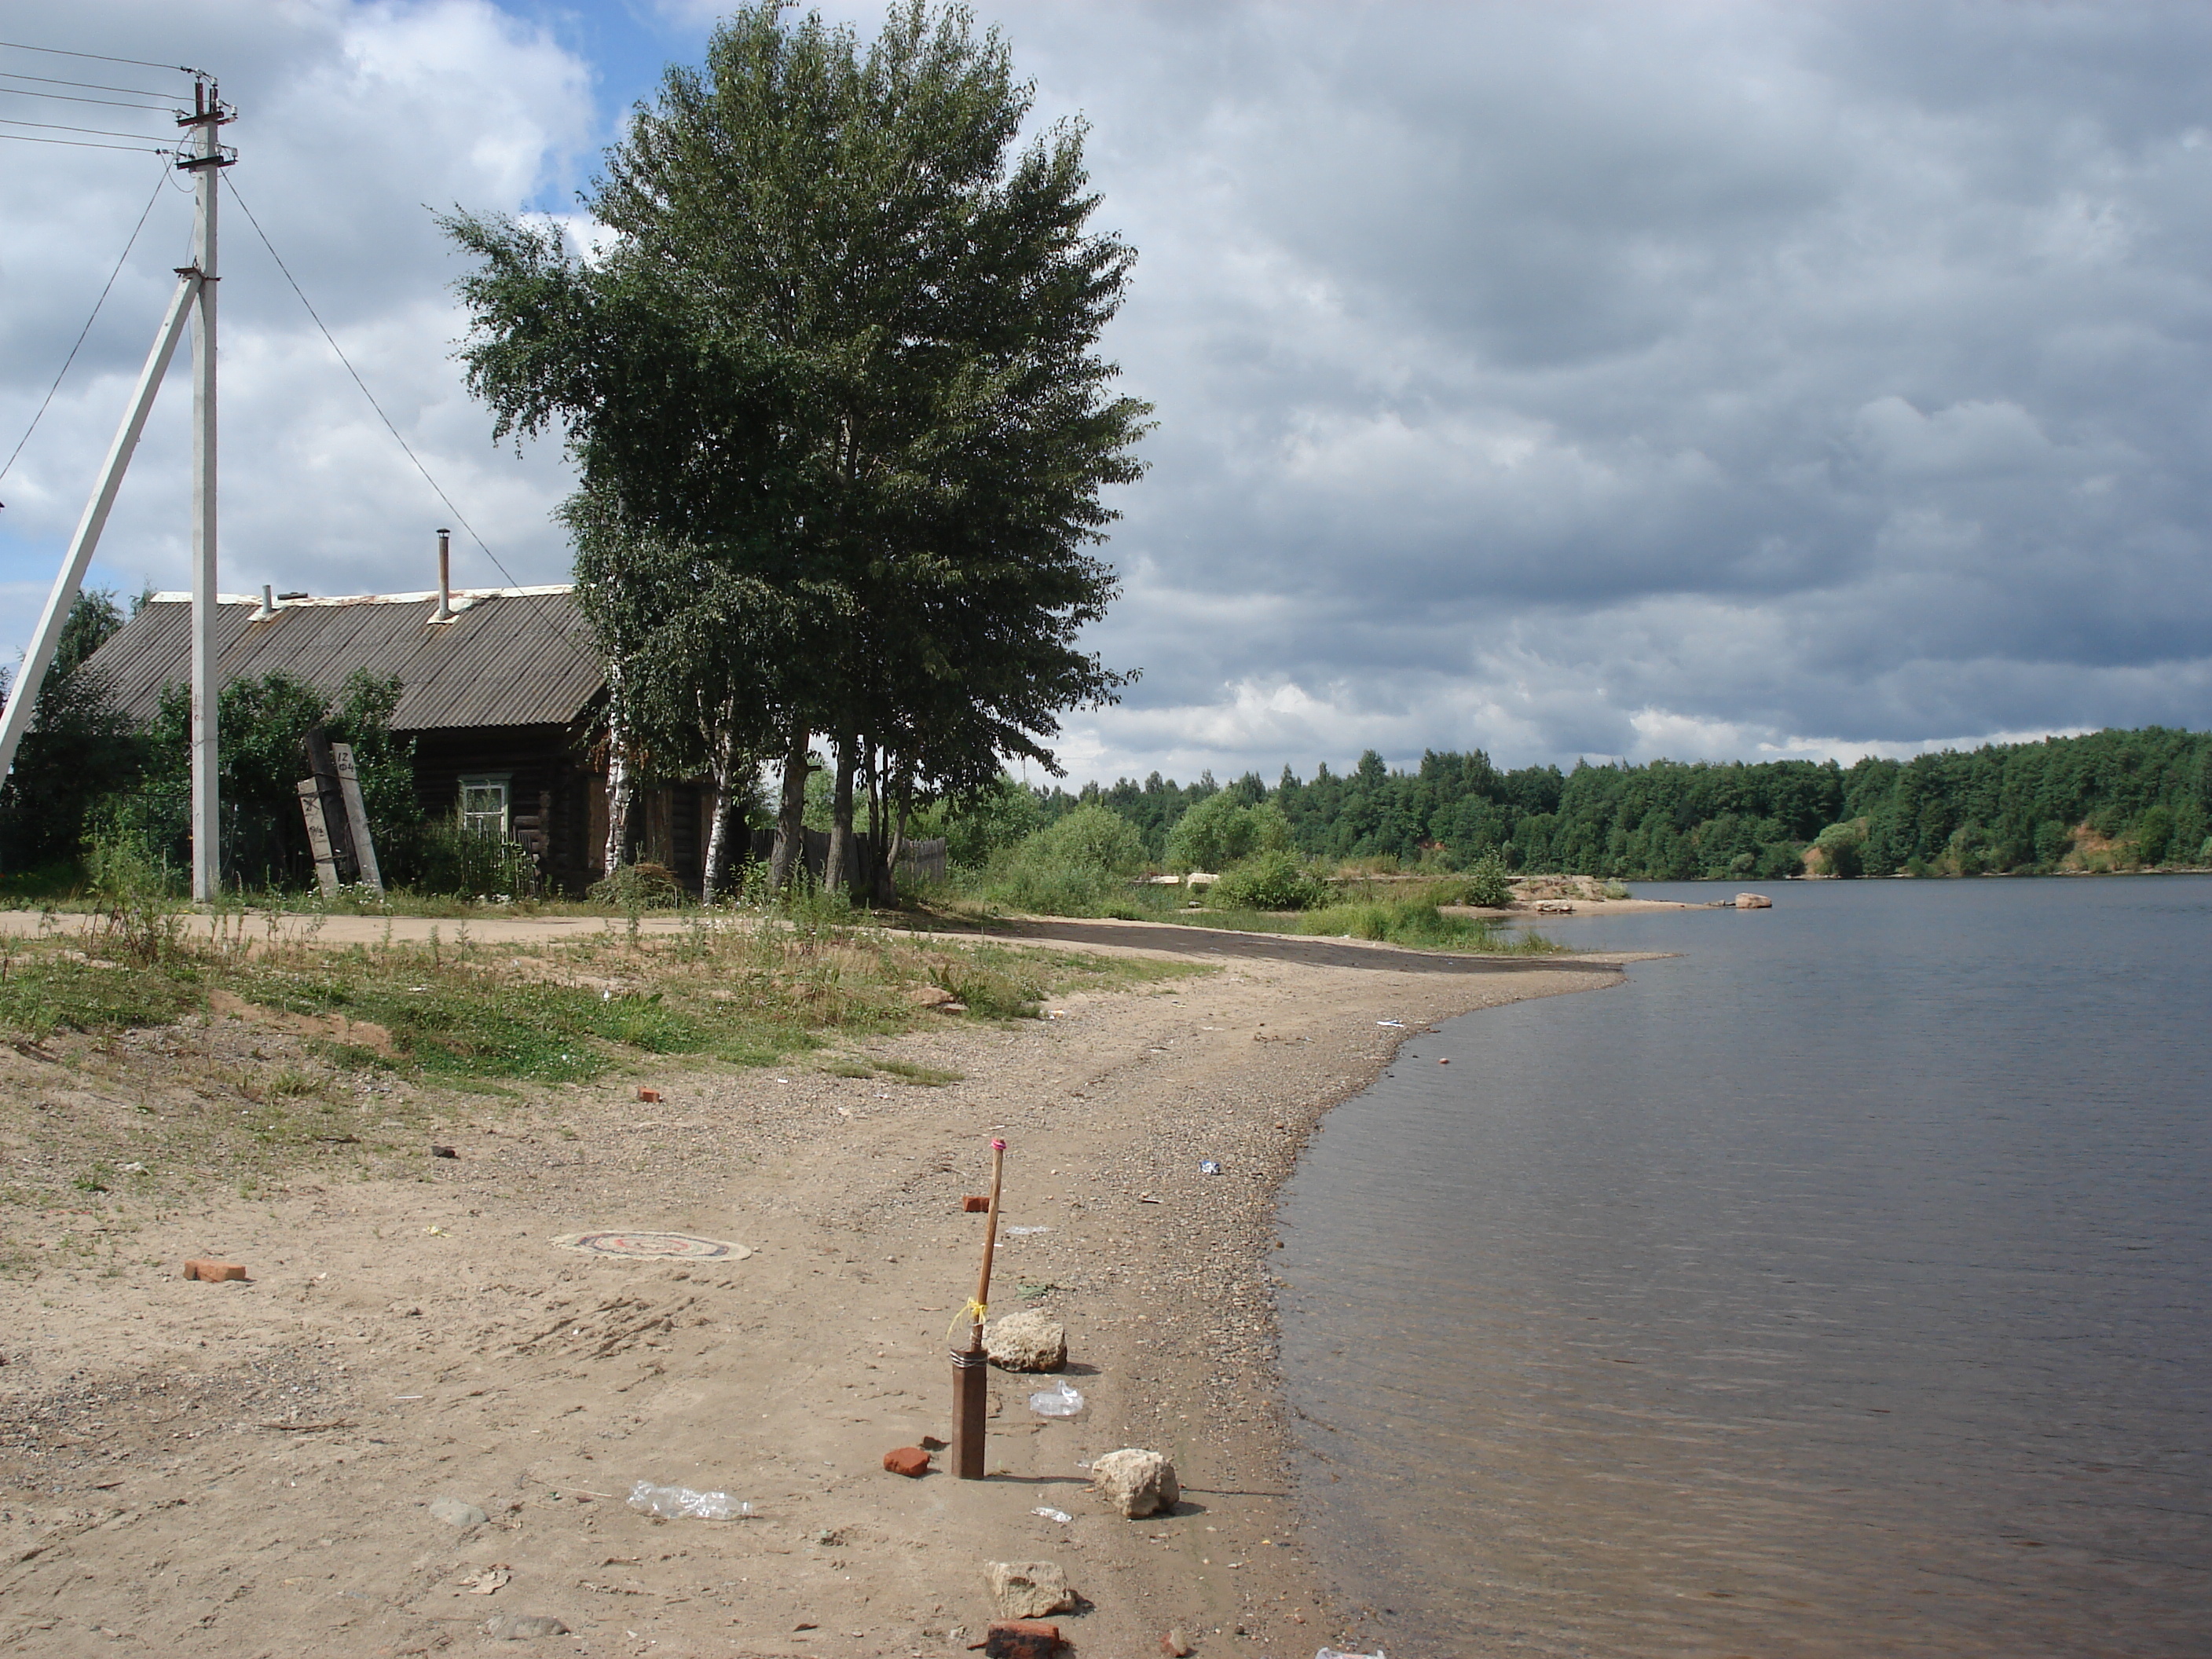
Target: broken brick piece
973	1206
1021	1638
909	1461
214	1272
650	1096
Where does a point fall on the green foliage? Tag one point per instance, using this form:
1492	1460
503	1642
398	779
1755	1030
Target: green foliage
1488	884
43	993
135	886
1078	865
2154	834
79	749
1092	839
1271	880
261	724
977	825
995	982
832	390
1222	829
1838	849
446	857
2013	807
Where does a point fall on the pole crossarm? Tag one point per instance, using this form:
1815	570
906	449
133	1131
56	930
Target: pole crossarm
40	657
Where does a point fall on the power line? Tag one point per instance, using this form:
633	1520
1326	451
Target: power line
405	448
107	103
162	179
56	126
80	143
101	57
89	86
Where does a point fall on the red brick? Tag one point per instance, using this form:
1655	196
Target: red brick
1021	1638
214	1272
973	1206
910	1461
650	1096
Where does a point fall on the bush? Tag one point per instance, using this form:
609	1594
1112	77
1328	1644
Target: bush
1488	884
2154	835
1221	831
1001	814
135	886
629	886
1837	847
1090	839
1268	881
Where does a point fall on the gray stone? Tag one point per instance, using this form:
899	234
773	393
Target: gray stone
1029	1589
1137	1483
454	1512
523	1626
1753	902
1028	1341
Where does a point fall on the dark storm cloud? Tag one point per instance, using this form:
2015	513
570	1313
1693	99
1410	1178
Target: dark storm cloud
1606	378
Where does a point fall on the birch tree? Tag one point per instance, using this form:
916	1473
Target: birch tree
839	340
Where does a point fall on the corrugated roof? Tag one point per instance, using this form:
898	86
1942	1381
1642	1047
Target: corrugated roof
511	656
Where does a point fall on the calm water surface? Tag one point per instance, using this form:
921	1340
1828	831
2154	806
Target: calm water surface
1839	1288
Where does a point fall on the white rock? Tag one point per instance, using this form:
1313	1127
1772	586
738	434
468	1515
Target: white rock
1029	1589
1137	1483
1026	1342
1753	902
455	1513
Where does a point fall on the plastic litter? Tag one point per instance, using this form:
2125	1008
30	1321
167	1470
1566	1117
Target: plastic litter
1344	1653
1061	1516
1062	1401
1024	1232
1400	1024
681	1502
1209	1168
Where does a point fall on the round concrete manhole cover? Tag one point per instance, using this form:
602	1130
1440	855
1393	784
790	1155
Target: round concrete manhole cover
658	1247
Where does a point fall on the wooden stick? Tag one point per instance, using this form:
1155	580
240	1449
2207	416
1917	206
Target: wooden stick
970	1371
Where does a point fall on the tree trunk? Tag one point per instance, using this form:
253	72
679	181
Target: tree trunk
895	811
791	815
727	762
840	819
621	784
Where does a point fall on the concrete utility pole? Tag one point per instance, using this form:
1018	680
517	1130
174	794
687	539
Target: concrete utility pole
205	164
193	301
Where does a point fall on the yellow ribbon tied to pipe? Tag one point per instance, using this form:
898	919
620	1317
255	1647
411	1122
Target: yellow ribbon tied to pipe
973	1313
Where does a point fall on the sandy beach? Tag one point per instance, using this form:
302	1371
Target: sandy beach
249	1468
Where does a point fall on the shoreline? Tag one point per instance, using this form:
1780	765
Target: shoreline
420	1331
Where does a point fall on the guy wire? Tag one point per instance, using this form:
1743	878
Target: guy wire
162	179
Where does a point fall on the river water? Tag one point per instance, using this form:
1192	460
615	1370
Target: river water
1838	1288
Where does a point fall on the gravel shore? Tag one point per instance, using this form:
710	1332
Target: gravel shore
247	1469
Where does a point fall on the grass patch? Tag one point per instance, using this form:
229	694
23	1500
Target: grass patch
1410	922
926	1077
47	990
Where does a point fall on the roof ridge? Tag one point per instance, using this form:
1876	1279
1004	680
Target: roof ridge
427	597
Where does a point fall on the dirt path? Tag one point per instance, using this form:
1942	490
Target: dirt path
247	1469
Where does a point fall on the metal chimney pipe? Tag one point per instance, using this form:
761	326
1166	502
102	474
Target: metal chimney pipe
445	577
268	601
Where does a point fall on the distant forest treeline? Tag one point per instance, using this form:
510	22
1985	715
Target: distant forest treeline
2111	800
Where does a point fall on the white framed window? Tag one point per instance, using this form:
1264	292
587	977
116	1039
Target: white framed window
484	803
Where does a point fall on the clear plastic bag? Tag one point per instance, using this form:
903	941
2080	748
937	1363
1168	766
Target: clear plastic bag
1063	1402
1339	1653
681	1504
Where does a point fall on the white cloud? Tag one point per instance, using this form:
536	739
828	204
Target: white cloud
356	121
1606	379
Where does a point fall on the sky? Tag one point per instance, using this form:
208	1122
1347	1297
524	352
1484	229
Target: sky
1710	380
